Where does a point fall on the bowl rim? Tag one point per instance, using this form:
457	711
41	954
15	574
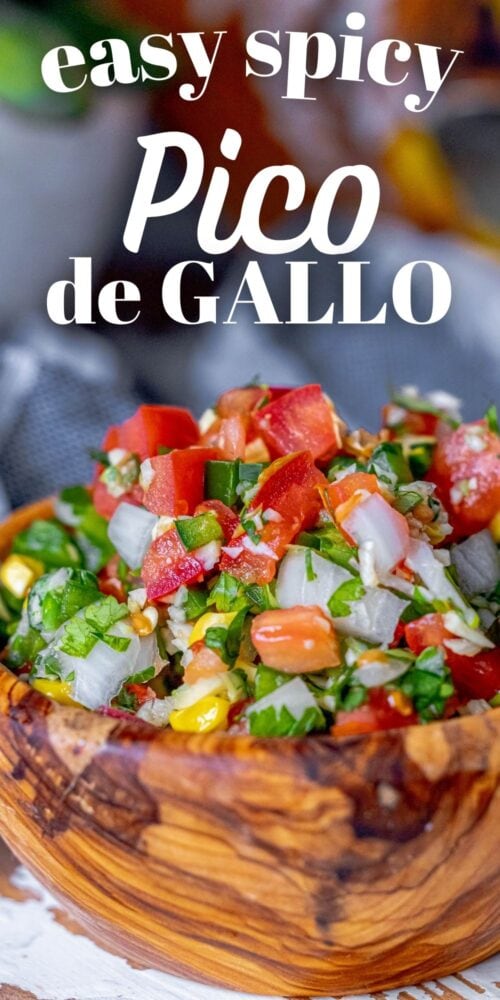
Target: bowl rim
143	734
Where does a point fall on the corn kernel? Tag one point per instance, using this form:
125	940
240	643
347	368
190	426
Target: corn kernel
495	528
372	656
19	573
210	620
206	716
59	691
144	622
401	703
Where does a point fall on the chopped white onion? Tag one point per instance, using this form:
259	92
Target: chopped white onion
146	474
477	562
422	560
293	587
295	696
373	618
374	520
454	623
208	555
156	711
99	677
376	673
130	530
367	571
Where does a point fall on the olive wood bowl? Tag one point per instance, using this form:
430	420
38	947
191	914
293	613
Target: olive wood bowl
297	866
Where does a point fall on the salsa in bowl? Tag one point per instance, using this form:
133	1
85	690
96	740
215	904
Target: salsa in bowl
269	571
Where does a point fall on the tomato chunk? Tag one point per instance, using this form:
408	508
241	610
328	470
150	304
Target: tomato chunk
288	491
300	420
409	421
296	640
229	436
424	632
174	483
376	714
168	565
290	487
153	427
343	490
466	468
241	401
105	504
476	676
205	663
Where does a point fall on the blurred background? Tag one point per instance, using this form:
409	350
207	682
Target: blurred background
68	169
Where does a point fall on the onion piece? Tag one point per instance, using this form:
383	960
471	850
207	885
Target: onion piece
130	530
374	520
293	587
477	562
421	560
453	623
373	618
295	696
376	673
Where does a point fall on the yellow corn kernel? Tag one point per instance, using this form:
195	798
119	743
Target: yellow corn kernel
208	715
372	656
18	574
59	691
210	620
401	703
495	528
144	622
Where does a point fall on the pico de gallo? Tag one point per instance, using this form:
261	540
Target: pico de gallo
266	570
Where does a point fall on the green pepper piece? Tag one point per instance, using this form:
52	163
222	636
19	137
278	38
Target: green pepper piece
420	459
221	480
389	464
249	472
198	531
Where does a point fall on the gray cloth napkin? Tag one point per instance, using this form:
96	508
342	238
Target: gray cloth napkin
59	391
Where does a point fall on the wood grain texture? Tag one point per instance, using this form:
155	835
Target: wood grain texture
305	867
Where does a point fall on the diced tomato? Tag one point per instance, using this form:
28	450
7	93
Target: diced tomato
296	640
142	692
226	517
376	714
237	709
289	488
177	481
228	435
420	424
168	565
151	428
424	632
109	580
300	420
466	468
241	401
399	635
340	492
204	663
476	676
105	504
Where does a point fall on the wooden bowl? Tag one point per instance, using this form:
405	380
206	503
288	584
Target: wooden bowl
301	866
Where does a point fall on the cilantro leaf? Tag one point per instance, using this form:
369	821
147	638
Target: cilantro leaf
339	604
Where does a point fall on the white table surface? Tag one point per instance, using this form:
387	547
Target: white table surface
44	954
